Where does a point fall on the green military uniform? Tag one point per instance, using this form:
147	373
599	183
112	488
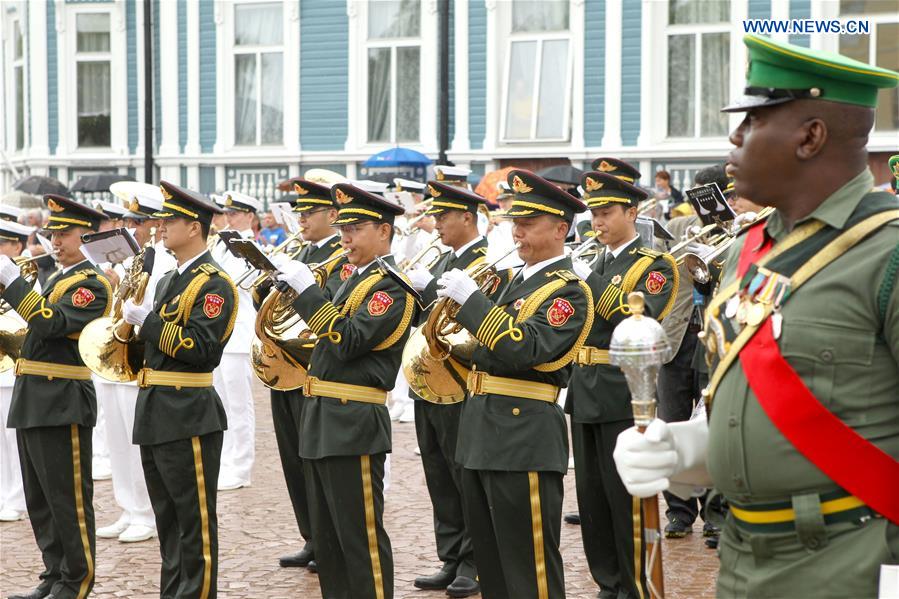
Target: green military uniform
599	400
287	406
437	424
345	427
54	410
179	418
793	530
513	443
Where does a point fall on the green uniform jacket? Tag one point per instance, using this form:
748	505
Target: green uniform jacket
55	319
448	261
599	393
338	271
841	335
192	319
531	333
361	338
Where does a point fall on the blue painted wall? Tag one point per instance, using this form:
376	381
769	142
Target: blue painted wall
477	74
594	71
324	55
131	62
207	78
630	72
759	9
182	75
52	79
207	179
800	9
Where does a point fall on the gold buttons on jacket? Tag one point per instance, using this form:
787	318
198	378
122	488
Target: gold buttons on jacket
516	411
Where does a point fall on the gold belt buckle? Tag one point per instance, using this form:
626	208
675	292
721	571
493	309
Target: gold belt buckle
307	386
142	378
588	355
475	381
18	369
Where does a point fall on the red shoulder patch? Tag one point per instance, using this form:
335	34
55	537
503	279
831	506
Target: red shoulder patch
559	312
379	303
346	271
212	305
82	297
655	281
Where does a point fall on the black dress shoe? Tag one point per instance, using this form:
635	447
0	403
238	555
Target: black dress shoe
300	559
37	593
463	586
678	529
312	566
574	518
438	581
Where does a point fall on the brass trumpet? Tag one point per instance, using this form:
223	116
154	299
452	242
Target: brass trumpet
698	265
432	247
12	330
283	345
282	247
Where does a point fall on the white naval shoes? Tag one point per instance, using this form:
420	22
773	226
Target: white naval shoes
8	514
100	469
115	529
136	533
227	483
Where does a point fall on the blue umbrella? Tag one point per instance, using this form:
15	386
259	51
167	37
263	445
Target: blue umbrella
398	157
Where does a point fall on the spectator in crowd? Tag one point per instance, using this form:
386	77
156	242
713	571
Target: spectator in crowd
272	232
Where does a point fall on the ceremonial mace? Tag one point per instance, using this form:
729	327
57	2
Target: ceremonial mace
639	347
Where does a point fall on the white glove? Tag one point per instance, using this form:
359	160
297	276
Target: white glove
420	277
665	456
9	272
700	249
136	314
279	260
581	269
743	218
456	285
297	275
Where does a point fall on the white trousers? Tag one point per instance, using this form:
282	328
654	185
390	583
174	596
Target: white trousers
233	382
101	451
128	484
12	493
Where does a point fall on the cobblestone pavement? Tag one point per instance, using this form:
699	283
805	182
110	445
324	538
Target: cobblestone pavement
256	526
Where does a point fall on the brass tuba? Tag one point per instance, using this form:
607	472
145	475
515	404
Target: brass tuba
283	345
12	331
108	345
437	357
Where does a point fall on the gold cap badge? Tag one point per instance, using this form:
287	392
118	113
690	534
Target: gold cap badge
439	174
605	167
433	191
165	192
54	207
300	191
134	205
519	186
593	184
343	197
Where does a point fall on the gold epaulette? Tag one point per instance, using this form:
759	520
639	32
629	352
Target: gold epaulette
88	272
482	250
207	269
564	274
648	252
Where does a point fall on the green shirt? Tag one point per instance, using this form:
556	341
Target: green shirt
837	340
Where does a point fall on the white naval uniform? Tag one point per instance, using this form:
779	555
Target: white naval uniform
118	400
233	379
12	493
499	242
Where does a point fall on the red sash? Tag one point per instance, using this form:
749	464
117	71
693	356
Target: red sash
850	460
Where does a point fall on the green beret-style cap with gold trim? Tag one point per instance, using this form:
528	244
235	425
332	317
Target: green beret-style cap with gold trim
311	196
357	205
535	196
602	189
617	168
451	197
780	72
66	213
894	166
178	202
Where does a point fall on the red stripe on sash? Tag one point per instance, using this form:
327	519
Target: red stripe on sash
754	247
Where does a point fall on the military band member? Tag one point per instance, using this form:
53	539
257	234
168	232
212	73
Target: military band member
53	405
13	240
513	442
234	375
598	397
437	425
136	521
10	213
345	429
317	213
802	437
179	417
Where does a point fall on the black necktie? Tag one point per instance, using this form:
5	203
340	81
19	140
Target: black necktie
607	260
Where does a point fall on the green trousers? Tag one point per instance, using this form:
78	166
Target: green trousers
346	506
515	521
286	411
59	493
837	560
437	428
182	480
610	517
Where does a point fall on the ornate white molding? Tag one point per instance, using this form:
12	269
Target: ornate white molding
218	14
351	10
60	16
490	4
293	11
118	15
432	6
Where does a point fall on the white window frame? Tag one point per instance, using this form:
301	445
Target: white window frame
540	37
68	79
225	104
357	134
654	78
393	43
14	63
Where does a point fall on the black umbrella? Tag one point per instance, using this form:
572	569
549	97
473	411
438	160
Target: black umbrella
562	173
100	182
38	186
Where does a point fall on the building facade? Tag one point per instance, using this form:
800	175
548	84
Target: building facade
249	92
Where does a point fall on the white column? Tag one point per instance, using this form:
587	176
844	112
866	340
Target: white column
66	97
460	142
291	77
355	82
37	50
192	147
168	98
648	42
494	72
118	80
577	89
611	137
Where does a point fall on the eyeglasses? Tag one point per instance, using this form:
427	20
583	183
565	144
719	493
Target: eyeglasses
353	229
309	213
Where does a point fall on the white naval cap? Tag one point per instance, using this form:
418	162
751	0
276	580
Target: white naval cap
13	231
240	202
8	212
408	185
111	209
448	174
370	186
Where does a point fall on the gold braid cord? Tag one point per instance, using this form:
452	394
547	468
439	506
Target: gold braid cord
354	302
